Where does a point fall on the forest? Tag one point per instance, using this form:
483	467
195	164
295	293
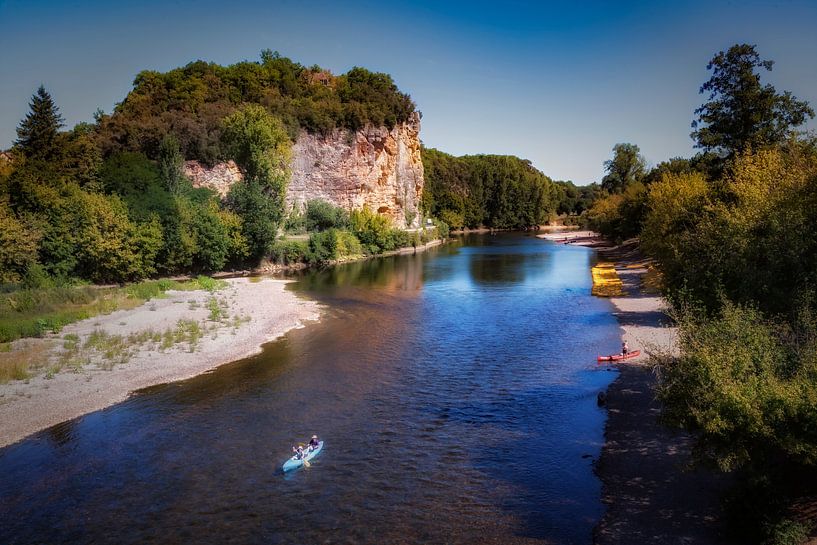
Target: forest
731	232
495	191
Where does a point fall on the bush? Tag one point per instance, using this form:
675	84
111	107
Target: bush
347	245
295	223
321	215
18	246
323	246
788	532
620	216
442	228
746	385
372	229
289	252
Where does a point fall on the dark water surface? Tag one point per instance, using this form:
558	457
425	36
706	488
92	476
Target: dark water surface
455	390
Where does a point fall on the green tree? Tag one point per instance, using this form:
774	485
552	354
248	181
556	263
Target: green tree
258	215
37	133
259	144
18	245
322	215
626	167
171	164
261	147
742	112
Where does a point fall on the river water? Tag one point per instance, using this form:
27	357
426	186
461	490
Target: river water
455	391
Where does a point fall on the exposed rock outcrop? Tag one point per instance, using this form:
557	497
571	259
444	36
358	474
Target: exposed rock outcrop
219	177
374	167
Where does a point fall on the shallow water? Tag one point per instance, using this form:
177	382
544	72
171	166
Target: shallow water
455	390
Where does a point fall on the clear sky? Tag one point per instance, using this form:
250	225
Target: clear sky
558	83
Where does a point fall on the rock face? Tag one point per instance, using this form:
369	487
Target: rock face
373	167
219	178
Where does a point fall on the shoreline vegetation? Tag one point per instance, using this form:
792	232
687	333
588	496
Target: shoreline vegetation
730	234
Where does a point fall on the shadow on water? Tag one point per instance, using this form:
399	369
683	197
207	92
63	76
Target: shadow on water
455	390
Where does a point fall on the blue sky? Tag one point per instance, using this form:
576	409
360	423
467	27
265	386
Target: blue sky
558	83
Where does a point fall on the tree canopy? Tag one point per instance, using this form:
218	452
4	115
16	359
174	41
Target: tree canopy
498	191
741	112
192	101
626	167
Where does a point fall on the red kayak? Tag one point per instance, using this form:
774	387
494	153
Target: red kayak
619	357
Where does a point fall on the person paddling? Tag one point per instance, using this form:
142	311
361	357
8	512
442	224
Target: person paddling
313	443
299	452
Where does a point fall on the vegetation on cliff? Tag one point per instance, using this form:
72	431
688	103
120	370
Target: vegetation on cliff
191	102
731	230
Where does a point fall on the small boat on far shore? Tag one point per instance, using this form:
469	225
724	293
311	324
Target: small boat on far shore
619	357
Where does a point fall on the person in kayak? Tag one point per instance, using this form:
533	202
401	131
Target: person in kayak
299	452
313	443
625	349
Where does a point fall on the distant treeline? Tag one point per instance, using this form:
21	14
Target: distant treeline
496	191
732	232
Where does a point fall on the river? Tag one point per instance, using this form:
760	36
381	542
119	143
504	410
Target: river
455	391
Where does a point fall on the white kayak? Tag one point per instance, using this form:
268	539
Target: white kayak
295	462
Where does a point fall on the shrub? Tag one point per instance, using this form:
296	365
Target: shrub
288	252
746	385
321	215
295	222
347	245
442	228
323	246
18	245
372	229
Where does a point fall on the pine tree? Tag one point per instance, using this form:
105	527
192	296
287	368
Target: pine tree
37	133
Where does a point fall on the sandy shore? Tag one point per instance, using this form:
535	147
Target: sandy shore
577	238
651	495
251	314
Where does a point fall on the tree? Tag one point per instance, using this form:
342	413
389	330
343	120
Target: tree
18	245
626	167
250	201
742	112
171	164
37	133
261	147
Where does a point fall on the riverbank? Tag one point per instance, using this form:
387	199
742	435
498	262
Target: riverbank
651	495
545	228
275	268
107	357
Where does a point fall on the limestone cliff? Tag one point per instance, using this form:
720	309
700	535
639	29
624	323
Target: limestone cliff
219	178
374	167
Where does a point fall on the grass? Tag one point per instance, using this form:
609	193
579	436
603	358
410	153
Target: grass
23	362
36	312
216	313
